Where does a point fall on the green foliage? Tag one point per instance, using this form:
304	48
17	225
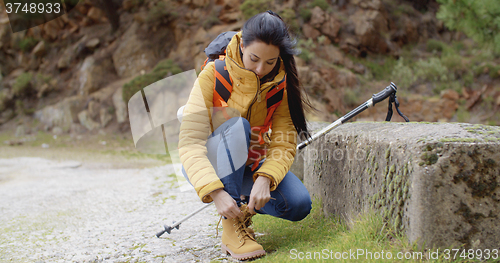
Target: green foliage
351	97
403	75
22	84
480	20
463	114
432	70
380	68
435	46
290	19
317	233
3	99
161	70
253	7
27	44
211	21
323	4
306	14
305	47
161	13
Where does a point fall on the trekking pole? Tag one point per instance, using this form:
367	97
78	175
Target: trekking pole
389	91
168	229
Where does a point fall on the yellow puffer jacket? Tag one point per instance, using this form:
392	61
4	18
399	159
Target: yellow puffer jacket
198	123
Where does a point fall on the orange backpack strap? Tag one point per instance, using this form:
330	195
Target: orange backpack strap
273	100
223	85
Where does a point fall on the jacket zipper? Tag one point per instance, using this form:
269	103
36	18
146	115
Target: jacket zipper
258	94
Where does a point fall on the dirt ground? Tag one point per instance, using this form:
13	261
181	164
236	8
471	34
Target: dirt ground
96	199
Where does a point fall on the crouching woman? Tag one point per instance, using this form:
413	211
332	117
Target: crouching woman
237	142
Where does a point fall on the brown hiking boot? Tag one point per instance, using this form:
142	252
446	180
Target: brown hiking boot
247	219
237	240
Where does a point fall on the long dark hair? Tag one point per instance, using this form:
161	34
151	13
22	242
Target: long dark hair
269	28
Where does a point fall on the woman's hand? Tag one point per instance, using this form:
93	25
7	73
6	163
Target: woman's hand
260	194
225	204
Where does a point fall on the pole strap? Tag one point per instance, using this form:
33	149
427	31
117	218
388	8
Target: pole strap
394	99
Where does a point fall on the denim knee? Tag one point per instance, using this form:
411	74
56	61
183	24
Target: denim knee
231	126
299	206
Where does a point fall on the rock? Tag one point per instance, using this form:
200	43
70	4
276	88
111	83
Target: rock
82	8
86	121
333	54
70	53
105	117
93	109
5	97
434	183
331	28
310	32
448	108
93	43
57	131
92	75
61	114
450	94
317	17
52	28
349	45
133	54
127	4
407	31
201	37
95	14
20	131
120	106
368	4
43	90
230	17
77	128
344	78
368	27
40	49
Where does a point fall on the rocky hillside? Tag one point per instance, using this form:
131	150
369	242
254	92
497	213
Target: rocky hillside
75	74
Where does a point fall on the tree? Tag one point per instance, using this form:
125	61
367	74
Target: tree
479	20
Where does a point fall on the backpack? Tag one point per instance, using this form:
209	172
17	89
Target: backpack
223	87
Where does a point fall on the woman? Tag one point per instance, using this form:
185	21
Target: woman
240	167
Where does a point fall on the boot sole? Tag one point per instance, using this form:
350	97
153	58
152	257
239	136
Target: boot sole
249	255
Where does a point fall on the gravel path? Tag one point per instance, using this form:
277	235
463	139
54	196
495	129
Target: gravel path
54	211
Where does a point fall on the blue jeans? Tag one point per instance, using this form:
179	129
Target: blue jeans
227	149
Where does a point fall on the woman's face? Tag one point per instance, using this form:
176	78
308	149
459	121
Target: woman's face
260	57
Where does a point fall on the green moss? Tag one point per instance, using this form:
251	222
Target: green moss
434	45
306	14
161	13
253	7
22	84
460	140
290	18
429	158
27	44
161	70
380	67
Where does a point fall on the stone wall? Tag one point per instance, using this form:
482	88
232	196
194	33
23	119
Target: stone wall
437	183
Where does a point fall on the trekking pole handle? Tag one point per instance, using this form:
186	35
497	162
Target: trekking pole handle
384	94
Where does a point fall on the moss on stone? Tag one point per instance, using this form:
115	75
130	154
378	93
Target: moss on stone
429	159
387	153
